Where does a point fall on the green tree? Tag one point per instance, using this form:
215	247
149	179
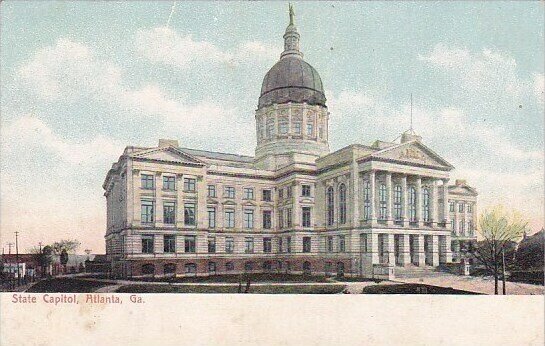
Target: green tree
69	245
498	228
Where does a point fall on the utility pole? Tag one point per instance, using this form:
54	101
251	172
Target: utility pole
503	269
40	245
17	257
9	248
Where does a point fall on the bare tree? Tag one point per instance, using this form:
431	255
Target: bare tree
68	245
498	229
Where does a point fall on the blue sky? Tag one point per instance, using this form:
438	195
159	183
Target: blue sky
80	81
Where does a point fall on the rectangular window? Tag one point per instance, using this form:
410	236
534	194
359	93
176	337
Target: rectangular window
267	219
249	245
288	217
211	244
267	195
147	181
288	192
211	217
229	218
211	190
169	244
288	244
229	192
169	183
342	244
229	245
280	244
305	190
310	129
306	217
469	208
280	218
267	245
270	130
283	127
190	243
190	184
453	225
363	242
461	207
248	193
147	211
330	244
451	207
169	213
189	214
248	218
280	193
306	244
297	127
147	244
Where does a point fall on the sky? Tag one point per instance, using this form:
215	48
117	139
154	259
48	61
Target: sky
82	80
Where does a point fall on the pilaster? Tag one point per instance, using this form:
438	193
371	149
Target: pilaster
404	249
419	254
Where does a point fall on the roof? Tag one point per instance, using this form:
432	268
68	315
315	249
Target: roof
218	156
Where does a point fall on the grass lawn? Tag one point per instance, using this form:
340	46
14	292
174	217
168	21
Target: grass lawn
262	278
66	285
285	289
412	289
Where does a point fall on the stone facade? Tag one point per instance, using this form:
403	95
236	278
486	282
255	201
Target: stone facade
292	208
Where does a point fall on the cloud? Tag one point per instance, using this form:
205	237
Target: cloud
166	46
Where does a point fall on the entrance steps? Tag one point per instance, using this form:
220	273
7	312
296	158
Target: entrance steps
413	271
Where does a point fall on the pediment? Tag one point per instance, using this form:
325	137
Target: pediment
167	154
413	152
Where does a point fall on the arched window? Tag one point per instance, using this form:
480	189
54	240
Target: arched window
426	204
191	268
397	202
212	267
382	202
306	268
267	266
169	269
342	204
412	204
367	200
248	266
330	200
148	269
229	266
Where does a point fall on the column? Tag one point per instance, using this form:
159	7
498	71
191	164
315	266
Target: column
434	203
419	254
456	252
434	248
372	185
354	211
419	201
456	218
445	255
390	248
372	245
404	249
446	212
389	202
405	200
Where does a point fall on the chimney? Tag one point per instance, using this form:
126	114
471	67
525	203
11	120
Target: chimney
409	136
168	143
461	182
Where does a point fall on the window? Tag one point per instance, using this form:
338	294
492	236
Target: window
321	132
412	204
189	184
342	204
366	200
283	127
248	266
267	219
280	218
248	218
453	225
462	228
169	268
288	244
211	217
147	181
229	218
270	129
211	244
382	202
329	245
189	214
190	243
190	268
267	196
169	244
310	129
306	244
267	245
297	127
330	206
148	269
470	227
397	202
147	211
169	213
451	207
288	217
211	190
469	208
249	245
280	245
229	245
426	204
212	267
363	242
169	183
248	193
342	244
328	268
229	266
280	193
306	268
229	192
306	216
305	190
289	191
147	244
267	265
461	207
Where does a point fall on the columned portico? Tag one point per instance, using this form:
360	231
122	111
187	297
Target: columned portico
418	186
404	255
419	256
404	201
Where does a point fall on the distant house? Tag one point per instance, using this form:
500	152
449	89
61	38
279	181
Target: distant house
530	252
27	263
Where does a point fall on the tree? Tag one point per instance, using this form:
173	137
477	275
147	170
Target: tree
44	258
70	245
499	229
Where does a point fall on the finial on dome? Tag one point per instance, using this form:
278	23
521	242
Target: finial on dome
292	14
291	37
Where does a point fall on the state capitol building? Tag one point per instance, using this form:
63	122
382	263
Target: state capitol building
294	207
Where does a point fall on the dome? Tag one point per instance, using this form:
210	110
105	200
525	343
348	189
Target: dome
292	80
